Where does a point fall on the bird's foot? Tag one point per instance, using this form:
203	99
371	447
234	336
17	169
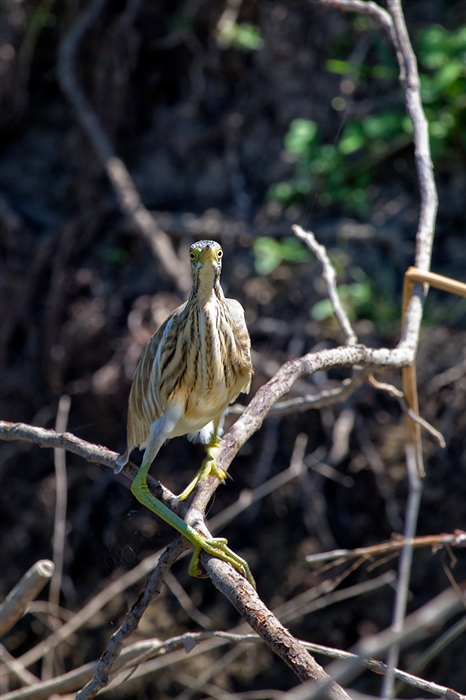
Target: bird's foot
208	468
218	547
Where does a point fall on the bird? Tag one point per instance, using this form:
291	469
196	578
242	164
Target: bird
194	365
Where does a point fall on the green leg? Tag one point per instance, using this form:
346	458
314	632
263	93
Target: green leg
208	467
217	546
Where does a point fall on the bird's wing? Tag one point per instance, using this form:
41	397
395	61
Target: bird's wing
146	403
243	341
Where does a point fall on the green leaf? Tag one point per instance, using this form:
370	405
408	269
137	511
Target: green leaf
333	65
351	141
268	254
301	135
322	310
247	37
383	126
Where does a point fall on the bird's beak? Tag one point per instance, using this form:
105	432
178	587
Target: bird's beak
208	255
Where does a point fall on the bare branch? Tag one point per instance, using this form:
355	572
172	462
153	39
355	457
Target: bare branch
326	397
377	13
446	284
141	651
61	488
245	599
25	590
123	184
16	668
397	394
96	454
330	277
109	657
416	626
455	539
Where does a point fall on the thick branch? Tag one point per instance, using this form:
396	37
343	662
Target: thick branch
96	454
263	621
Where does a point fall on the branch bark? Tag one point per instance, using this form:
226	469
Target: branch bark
245	599
27	589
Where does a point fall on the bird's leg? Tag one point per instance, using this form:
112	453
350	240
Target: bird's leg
216	546
208	466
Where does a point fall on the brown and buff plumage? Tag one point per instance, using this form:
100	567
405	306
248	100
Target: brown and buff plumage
193	366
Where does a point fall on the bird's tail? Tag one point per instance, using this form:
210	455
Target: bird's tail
122	460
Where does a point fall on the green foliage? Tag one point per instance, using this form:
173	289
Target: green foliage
270	253
443	87
342	172
240	35
361	299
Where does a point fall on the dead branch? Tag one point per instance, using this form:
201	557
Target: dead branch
25	590
330	276
455	539
326	397
96	454
417	625
245	599
122	182
107	661
142	651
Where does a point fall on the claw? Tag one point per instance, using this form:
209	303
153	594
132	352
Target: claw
208	468
217	547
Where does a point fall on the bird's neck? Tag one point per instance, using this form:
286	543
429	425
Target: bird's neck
207	289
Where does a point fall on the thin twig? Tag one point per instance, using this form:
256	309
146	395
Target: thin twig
59	530
16	668
401	597
456	539
417	625
61	488
399	395
330	277
193	642
185	602
446	284
439	645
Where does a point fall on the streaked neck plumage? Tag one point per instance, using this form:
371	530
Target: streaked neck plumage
206	284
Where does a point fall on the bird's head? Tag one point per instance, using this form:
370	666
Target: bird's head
206	256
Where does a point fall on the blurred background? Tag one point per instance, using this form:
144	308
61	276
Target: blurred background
235	120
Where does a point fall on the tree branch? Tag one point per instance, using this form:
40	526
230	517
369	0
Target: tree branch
330	277
27	589
245	599
125	189
109	657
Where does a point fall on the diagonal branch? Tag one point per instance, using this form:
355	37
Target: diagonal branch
245	599
130	625
329	275
122	182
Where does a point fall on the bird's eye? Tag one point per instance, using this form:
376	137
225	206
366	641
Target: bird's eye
219	254
192	256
